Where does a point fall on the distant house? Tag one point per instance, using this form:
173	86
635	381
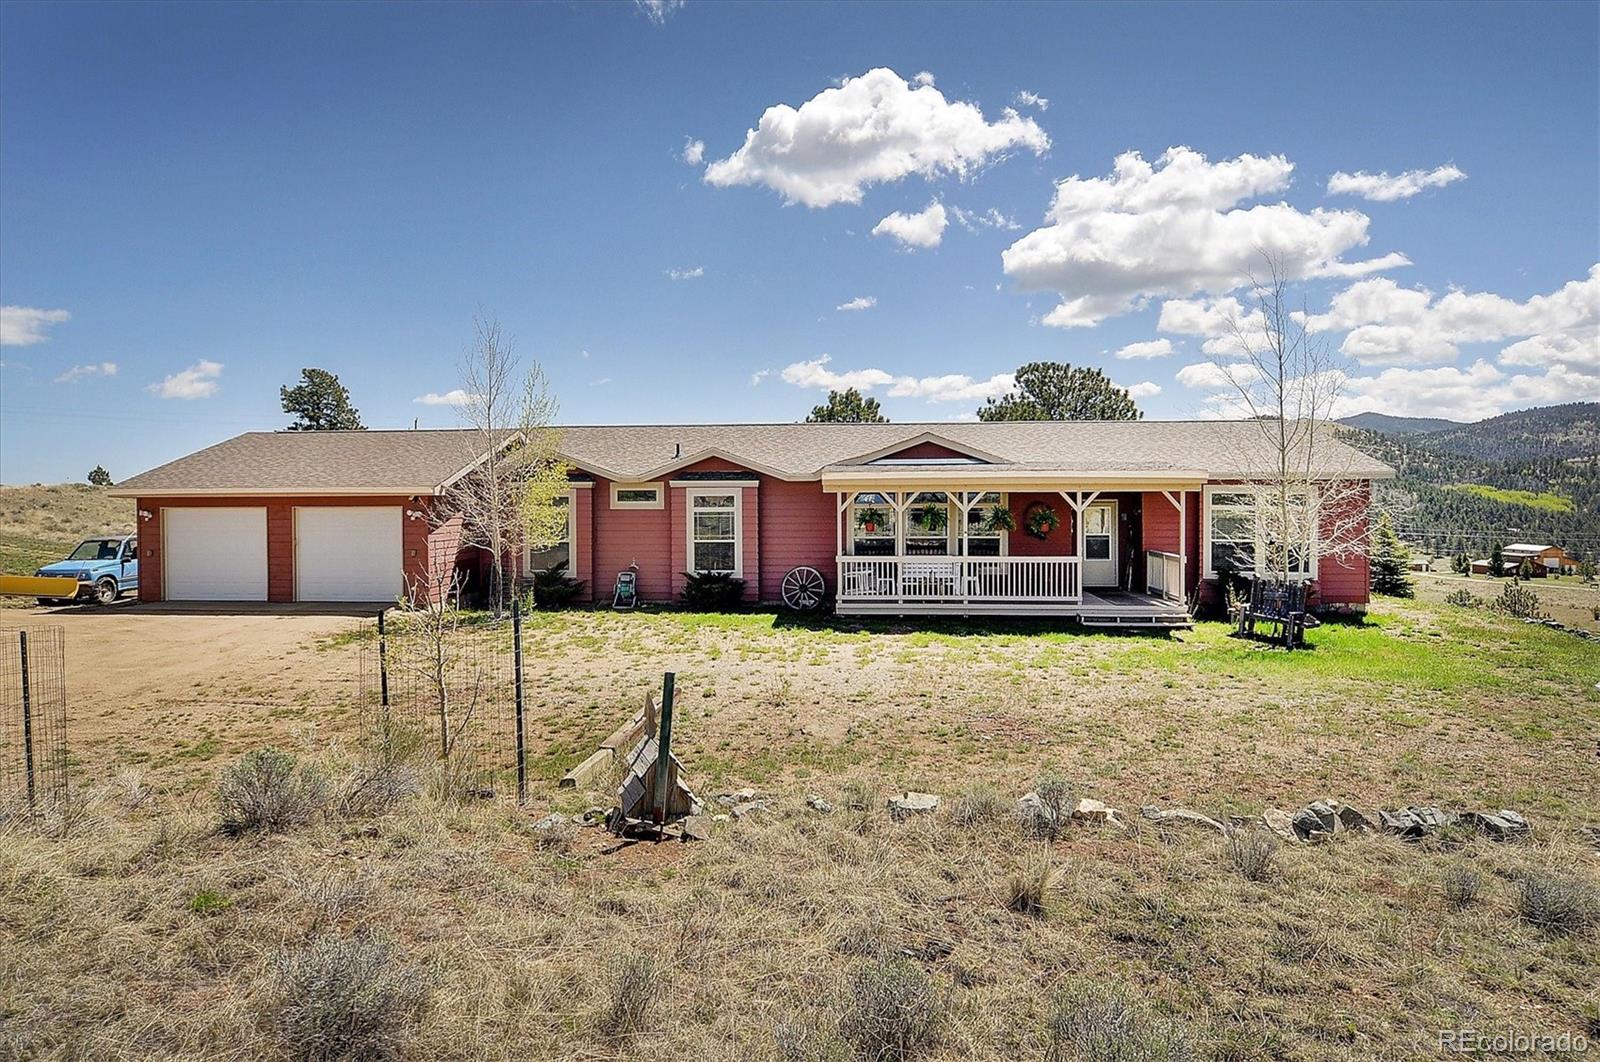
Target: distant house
1547	560
1112	521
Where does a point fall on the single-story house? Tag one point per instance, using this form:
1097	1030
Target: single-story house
1108	521
1547	560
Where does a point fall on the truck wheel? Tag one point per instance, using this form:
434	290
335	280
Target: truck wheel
105	591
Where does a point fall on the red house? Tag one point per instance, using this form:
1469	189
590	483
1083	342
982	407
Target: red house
1110	522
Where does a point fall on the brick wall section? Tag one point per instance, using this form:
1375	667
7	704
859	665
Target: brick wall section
280	536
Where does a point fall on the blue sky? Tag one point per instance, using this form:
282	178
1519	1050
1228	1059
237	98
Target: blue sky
211	197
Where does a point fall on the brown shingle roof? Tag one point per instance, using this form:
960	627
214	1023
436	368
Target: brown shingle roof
411	462
317	462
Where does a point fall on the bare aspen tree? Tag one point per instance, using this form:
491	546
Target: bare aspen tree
506	499
1287	380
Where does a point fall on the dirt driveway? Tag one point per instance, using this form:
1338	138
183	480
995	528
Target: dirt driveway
171	689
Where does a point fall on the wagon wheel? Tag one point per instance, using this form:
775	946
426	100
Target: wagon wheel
803	589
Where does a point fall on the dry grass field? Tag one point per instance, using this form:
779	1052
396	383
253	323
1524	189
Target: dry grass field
40	524
133	926
1562	597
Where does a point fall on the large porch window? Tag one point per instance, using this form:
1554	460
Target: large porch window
928	525
872	526
984	539
1242	538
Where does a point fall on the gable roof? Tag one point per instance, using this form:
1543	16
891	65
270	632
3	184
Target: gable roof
317	462
420	462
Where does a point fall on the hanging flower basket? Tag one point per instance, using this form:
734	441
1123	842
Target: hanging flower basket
869	520
1040	520
999	519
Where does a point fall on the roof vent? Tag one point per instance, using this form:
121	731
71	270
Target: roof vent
677	449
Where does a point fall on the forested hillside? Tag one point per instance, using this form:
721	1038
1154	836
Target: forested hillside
1533	474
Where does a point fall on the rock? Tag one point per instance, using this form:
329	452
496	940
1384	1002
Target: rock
912	803
1279	823
592	817
696	828
749	807
816	803
1352	819
742	796
550	824
719	818
1094	811
1502	825
1414	823
1181	815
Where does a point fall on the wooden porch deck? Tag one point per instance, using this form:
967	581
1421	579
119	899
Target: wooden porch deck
1124	608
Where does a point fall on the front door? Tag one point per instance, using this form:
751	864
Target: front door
1100	544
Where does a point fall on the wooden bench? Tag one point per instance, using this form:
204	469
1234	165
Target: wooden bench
1277	603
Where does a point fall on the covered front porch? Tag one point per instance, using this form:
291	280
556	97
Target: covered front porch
973	543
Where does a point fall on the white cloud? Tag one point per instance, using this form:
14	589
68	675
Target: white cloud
1479	391
922	229
860	302
1209	376
923	78
1381	188
1148	389
600	382
686	274
694	151
757	377
1024	98
1153	348
658	10
83	372
1176	227
870	129
972	220
23	326
1216	320
953	387
458	397
197	381
1386	323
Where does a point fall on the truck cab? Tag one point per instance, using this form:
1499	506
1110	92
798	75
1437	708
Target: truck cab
105	569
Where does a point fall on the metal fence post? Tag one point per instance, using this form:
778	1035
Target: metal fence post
383	662
664	749
27	714
516	664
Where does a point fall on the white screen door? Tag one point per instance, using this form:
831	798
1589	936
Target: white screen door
1100	544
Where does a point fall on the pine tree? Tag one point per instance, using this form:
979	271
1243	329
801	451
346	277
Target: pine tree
1497	561
99	477
1461	564
1391	562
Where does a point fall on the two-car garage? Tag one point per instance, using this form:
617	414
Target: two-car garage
331	553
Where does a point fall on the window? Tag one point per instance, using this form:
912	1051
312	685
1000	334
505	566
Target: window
983	538
636	495
715	526
928	525
872	525
1240	540
559	553
131	550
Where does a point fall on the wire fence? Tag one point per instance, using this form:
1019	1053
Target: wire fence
445	687
33	717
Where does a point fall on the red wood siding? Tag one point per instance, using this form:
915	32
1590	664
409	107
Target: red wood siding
924	449
1346	581
796	529
1160	530
624	536
583	500
280	536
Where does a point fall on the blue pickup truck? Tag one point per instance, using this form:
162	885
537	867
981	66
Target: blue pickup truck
105	568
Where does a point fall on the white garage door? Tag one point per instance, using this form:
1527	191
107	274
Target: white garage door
347	553
215	554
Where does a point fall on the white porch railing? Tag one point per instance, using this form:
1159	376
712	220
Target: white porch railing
963	580
1164	574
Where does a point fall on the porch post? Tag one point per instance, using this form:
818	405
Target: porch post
1181	501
